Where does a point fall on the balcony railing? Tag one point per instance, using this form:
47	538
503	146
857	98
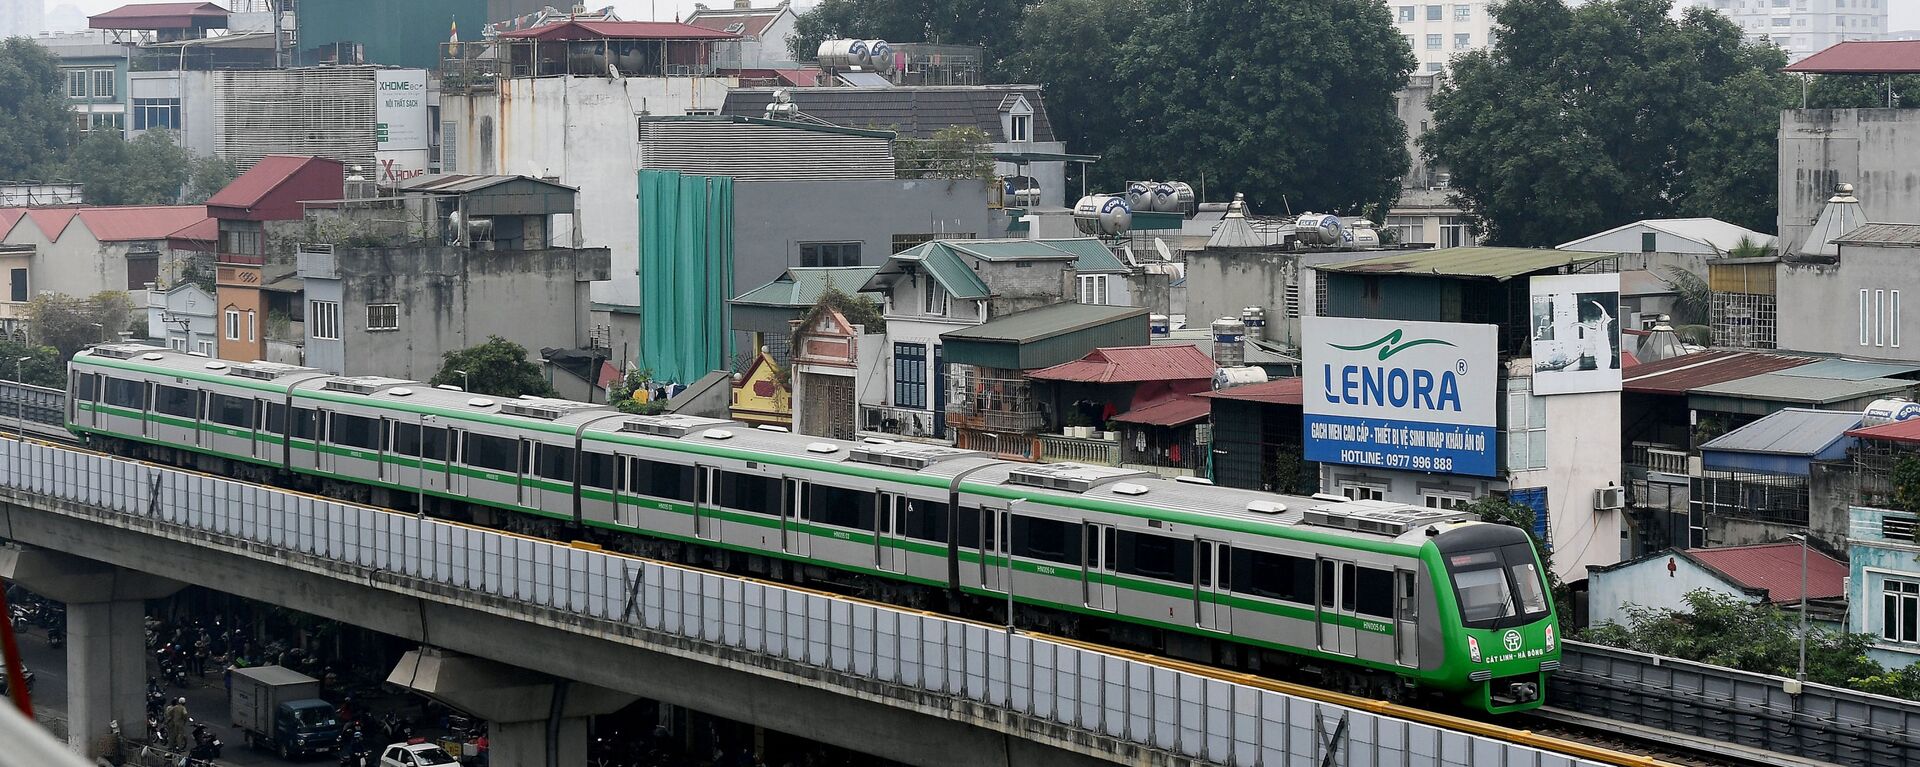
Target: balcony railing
1664	459
898	421
1099	452
1015	421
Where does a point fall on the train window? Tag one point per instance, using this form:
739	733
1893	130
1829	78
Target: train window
127	394
1205	565
656	479
1347	587
925	520
1047	539
556	463
276	418
1154	556
230	411
304	423
83	389
969	528
406	441
750	492
1373	592
596	470
176	401
1274	576
1326	584
840	507
496	453
355	431
1526	582
436	444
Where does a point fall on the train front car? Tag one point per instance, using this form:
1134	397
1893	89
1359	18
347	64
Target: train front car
1500	629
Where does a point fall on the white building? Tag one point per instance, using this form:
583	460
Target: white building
182	318
1804	27
763	32
1439	31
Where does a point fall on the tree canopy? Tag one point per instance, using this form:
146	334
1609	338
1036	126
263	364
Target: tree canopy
498	368
149	170
206	176
69	324
1580	119
986	23
44	365
36	125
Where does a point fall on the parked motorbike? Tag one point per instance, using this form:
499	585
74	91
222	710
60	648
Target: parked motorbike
206	745
56	637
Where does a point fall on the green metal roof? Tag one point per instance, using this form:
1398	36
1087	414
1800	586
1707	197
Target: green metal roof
1045	322
1491	263
953	273
1089	254
801	286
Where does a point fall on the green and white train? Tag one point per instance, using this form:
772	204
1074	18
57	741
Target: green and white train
1423	599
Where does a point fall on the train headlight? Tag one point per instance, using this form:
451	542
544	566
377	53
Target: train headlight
1549	638
1473	649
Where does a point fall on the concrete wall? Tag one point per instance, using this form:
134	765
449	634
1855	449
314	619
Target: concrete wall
771	219
1649	584
1876	150
1819	304
325	354
1583	455
1871	561
1223	281
453	298
1410	105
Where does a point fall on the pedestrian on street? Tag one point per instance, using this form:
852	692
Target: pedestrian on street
177	725
202	649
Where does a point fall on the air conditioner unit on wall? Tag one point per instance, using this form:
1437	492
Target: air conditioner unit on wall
1609	498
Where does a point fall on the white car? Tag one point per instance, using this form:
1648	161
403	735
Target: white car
415	755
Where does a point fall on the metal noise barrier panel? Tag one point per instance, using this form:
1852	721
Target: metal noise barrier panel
1099	695
1829	724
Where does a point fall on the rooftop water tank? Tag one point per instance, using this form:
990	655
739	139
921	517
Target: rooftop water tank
842	54
1229	342
1227	378
1102	215
1884	411
1256	322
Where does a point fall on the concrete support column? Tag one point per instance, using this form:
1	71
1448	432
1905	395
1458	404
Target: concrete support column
533	720
106	638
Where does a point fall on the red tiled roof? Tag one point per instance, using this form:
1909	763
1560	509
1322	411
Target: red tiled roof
253	191
1776	568
204	232
1679	375
619	30
1132	364
754	23
52	221
1173	411
1280	391
1864	57
1898	431
804	78
160	16
140	222
9	217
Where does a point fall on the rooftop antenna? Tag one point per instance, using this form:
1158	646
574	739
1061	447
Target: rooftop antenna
1286	205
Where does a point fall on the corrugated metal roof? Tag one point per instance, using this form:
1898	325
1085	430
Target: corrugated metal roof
1178	410
620	30
1907	432
1717	234
1851	370
253	186
1793	431
953	273
1090	254
1132	364
1775	567
1280	391
9	217
453	183
161	16
757	149
917	111
52	221
1881	234
801	286
1864	57
202	233
1678	375
753	21
140	222
1045	322
1493	263
1773	387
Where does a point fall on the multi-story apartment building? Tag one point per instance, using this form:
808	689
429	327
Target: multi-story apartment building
1804	27
1439	31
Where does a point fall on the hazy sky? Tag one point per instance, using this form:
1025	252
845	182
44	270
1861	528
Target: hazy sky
1904	14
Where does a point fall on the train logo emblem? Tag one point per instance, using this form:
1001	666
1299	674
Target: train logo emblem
1511	640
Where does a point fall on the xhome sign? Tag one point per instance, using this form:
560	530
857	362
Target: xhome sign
1417	396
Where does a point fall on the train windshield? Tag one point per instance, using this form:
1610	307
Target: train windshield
1498	587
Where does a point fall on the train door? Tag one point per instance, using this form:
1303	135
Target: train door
1210	562
262	447
995	526
794	538
1097	566
626	507
390	443
456	455
889	518
1337	620
322	428
1406	616
706	519
525	492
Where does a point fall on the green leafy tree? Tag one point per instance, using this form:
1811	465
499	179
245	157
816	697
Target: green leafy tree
1580	118
149	170
44	365
1725	630
498	368
1862	91
36	124
956	152
1073	47
1905	479
207	175
986	23
69	324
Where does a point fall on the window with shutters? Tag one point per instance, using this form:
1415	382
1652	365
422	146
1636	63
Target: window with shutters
383	316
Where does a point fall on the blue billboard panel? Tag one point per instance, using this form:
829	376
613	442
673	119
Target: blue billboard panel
1410	445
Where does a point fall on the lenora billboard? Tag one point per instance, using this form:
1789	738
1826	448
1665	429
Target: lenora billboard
1575	333
1417	396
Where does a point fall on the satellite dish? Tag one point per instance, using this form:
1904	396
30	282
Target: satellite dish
613	72
1160	246
1127	250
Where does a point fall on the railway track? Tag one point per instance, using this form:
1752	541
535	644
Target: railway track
1552	730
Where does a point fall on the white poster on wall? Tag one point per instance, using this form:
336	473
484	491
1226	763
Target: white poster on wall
400	113
1575	332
